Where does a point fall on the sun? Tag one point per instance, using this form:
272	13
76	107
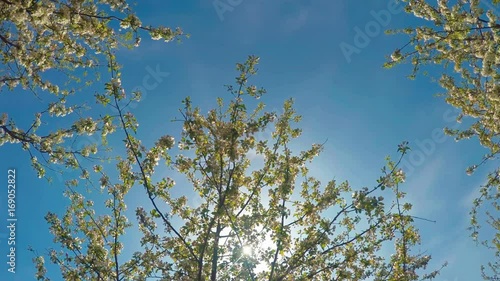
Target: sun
247	250
252	251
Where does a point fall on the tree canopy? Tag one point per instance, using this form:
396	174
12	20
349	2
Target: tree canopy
237	222
251	210
463	38
45	42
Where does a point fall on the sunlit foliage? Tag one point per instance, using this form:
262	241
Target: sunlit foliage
464	38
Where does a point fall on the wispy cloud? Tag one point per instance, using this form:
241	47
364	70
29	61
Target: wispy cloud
257	19
295	22
467	200
420	185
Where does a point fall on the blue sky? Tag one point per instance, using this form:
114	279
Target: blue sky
362	109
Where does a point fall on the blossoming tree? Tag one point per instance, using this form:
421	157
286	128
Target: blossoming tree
235	221
463	37
43	42
241	217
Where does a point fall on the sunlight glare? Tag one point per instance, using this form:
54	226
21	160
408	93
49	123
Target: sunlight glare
247	250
